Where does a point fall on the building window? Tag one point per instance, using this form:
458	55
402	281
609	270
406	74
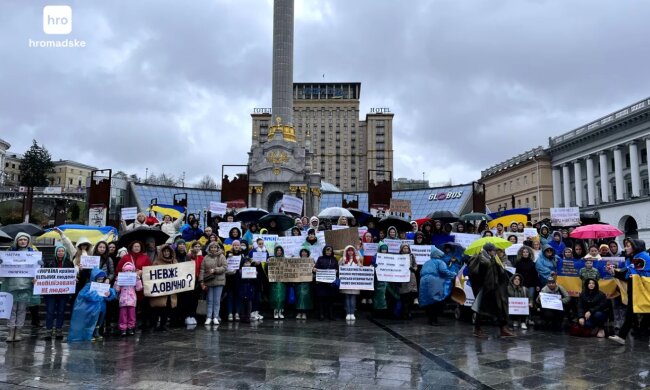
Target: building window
533	178
505	187
534	201
498	188
527	203
519	202
525	180
517	183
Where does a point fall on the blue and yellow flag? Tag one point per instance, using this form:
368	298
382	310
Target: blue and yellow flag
93	233
168	209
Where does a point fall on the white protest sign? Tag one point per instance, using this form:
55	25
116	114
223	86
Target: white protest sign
291	245
321	238
513	249
518	306
19	264
127	279
225	227
422	253
269	240
100	288
393	245
551	301
51	281
465	239
339	227
565	216
129	213
218	208
469	295
393	268
248	272
291	204
362	231
325	275
160	280
90	262
530	232
6	303
370	248
354	277
233	263
260	257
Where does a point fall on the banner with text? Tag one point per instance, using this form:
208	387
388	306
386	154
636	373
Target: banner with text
393	268
161	280
422	253
354	277
52	281
290	269
19	264
565	216
291	204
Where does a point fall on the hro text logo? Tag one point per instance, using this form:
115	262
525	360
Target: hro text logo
57	19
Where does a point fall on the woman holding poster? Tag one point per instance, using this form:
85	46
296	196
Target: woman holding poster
326	290
278	293
303	293
408	290
21	289
55	303
350	258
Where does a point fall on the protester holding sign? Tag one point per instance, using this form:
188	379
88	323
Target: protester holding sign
368	251
89	310
350	257
278	291
312	244
105	261
516	289
408	290
234	258
162	306
140	222
83	247
525	266
434	286
55	303
303	293
137	257
553	318
169	227
128	301
21	289
326	291
259	257
546	264
213	280
247	289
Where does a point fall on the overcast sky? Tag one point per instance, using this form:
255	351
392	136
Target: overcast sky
170	85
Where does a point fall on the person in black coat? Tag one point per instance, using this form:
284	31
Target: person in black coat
592	307
326	292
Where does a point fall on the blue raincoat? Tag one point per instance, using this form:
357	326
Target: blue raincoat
89	307
546	266
435	279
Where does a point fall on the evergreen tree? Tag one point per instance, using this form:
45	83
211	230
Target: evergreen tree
35	165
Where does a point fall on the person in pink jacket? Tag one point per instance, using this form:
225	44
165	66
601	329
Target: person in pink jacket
128	302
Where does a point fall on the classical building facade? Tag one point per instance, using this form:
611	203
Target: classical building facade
326	120
522	181
4	146
602	167
67	174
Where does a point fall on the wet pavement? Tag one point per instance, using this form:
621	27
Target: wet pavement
294	354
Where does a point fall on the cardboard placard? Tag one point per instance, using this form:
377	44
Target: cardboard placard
19	264
325	275
290	269
401	206
339	239
233	263
127	279
551	301
129	213
422	253
6	304
53	281
100	288
248	272
518	306
354	277
393	268
161	280
90	262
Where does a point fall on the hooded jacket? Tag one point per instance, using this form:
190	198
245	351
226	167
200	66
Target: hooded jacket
128	295
53	262
87	308
591	300
216	262
427	232
546	266
544	238
638	246
435	280
20	288
557	245
355	260
232	237
526	268
172	228
311	223
517	291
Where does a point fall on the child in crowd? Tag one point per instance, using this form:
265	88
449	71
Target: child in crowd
247	290
516	289
89	310
588	271
128	302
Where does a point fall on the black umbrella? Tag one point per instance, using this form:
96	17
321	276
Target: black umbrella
283	222
475	217
443	216
361	216
142	234
4	237
29	228
401	224
251	214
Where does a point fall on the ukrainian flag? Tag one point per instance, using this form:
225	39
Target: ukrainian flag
640	269
93	233
507	220
168	209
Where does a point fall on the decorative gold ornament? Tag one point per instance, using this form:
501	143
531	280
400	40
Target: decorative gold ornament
293	189
316	191
276	171
251	190
287	131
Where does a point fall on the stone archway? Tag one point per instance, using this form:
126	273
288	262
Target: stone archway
273	201
629	226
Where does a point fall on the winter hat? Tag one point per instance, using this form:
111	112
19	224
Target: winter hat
236	242
489	247
128	267
550	279
603	246
121	252
179	241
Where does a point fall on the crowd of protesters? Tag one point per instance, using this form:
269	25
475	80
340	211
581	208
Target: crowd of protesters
223	295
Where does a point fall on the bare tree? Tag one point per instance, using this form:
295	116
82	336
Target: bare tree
207	183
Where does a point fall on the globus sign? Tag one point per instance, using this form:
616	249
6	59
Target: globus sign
446	195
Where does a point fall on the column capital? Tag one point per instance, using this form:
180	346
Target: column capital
630	143
617	148
602	153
